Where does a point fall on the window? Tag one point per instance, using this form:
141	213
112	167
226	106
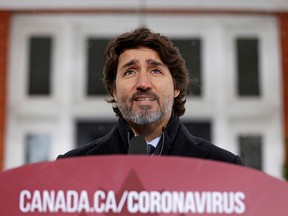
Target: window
248	67
191	52
95	51
37	148
199	128
251	150
88	131
39	76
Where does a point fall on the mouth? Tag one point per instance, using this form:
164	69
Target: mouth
144	96
144	99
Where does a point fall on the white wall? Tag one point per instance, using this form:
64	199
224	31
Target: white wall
230	116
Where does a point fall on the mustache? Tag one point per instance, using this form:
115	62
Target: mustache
147	93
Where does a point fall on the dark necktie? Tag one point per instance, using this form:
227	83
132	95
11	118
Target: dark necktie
150	149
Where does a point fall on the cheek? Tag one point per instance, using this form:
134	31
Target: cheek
167	94
170	89
121	91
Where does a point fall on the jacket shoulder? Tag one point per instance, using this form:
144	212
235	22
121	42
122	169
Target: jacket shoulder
212	152
217	153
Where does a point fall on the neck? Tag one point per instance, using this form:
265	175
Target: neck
151	131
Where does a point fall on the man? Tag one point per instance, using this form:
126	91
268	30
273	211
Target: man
147	79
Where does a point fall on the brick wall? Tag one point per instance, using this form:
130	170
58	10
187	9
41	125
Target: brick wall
284	53
4	30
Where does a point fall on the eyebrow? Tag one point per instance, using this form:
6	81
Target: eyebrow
154	63
130	63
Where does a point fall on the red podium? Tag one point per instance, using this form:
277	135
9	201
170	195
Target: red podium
137	185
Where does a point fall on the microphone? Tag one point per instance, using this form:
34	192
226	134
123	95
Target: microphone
137	145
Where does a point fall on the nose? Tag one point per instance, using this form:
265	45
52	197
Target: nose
143	81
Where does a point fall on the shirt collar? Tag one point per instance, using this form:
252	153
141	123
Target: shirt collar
155	141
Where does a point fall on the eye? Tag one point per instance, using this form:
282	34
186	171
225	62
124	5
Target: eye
156	71
129	72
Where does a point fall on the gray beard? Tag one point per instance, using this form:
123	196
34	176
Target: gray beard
145	116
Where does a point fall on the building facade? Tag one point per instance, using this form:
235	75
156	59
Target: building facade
52	97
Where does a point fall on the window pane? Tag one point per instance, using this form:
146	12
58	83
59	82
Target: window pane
88	131
191	52
199	128
37	147
248	67
251	150
39	66
95	64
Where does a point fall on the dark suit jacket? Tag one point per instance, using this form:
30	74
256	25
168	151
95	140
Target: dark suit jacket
175	140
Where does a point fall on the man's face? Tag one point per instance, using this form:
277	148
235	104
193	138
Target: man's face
144	89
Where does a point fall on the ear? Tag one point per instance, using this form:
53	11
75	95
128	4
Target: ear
114	94
176	93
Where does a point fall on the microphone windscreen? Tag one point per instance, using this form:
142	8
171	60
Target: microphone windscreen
137	145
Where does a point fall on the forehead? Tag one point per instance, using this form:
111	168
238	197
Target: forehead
138	53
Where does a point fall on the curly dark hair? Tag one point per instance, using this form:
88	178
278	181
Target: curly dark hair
168	53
